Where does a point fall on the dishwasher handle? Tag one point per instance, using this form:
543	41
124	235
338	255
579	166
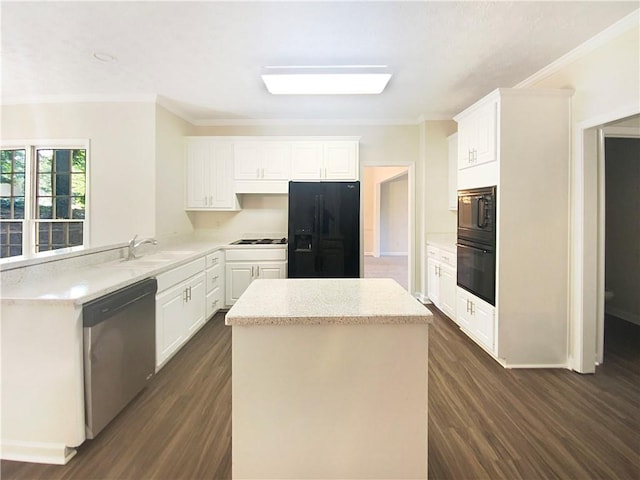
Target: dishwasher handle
105	307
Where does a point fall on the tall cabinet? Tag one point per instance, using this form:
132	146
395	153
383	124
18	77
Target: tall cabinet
519	140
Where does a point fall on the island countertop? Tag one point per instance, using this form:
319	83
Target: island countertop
338	301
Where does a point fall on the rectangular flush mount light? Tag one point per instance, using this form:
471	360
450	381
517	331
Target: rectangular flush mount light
327	80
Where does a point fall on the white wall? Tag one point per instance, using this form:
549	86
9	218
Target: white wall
394	211
438	217
261	216
606	81
122	192
171	217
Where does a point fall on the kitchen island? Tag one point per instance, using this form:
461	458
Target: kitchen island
329	380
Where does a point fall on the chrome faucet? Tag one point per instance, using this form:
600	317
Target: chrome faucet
133	245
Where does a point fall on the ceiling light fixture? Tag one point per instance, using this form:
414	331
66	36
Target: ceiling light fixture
326	80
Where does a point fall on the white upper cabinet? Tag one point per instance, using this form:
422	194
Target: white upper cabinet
220	168
341	160
477	139
209	178
325	160
261	160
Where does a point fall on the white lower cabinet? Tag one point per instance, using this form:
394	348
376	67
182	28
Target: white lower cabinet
441	280
477	318
448	290
179	313
245	265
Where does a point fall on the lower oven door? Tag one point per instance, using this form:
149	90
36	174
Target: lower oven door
477	270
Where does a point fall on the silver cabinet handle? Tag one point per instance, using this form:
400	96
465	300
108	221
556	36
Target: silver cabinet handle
252	275
320	172
184	296
258	270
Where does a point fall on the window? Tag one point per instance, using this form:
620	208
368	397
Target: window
43	194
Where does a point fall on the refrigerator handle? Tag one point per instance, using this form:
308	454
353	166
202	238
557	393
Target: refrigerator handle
321	216
315	214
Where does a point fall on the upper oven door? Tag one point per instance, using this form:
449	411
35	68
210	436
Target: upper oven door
476	215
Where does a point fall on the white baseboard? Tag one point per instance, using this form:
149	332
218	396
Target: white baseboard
368	254
37	452
394	254
624	315
532	365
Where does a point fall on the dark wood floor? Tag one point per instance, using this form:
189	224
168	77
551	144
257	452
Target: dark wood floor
485	422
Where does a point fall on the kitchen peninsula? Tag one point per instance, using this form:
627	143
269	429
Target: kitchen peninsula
329	380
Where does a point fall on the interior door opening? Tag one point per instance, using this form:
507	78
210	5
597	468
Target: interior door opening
386	223
619	313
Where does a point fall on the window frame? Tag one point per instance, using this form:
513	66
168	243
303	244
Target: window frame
31	221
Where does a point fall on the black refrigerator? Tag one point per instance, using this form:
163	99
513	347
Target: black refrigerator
324	230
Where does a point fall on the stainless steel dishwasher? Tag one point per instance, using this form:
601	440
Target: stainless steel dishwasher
119	350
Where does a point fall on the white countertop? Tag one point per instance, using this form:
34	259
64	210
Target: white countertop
87	282
326	301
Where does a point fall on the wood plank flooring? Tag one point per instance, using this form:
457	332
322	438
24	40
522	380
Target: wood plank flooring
390	266
484	422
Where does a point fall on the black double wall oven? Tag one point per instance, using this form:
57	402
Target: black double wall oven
476	245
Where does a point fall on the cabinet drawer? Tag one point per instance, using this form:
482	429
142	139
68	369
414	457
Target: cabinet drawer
214	301
179	274
215	277
447	257
441	255
215	259
255	254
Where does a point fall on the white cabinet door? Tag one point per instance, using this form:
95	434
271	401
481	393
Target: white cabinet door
238	277
340	160
485	134
271	270
477	140
247	160
222	195
463	312
433	281
194	307
307	160
276	160
447	291
484	324
170	331
477	317
209	183
198	154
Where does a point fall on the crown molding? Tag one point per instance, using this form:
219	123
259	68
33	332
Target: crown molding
621	26
225	122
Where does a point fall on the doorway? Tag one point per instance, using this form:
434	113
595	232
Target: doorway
621	234
588	213
386	223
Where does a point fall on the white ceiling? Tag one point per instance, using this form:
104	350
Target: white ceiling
204	58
